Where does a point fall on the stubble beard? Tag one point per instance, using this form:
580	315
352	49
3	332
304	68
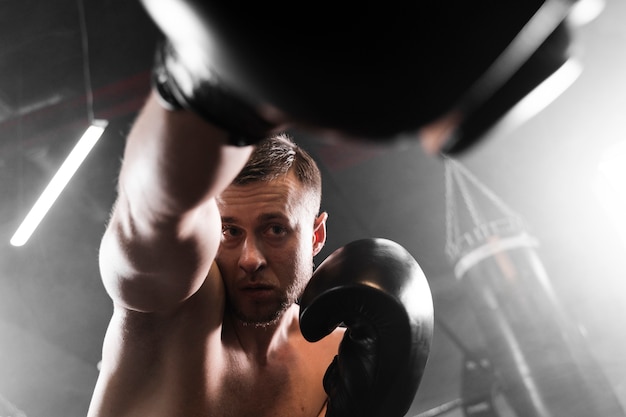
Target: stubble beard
261	320
270	318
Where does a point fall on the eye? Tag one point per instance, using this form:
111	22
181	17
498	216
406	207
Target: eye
230	232
276	230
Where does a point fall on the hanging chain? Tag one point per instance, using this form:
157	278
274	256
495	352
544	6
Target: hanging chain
458	179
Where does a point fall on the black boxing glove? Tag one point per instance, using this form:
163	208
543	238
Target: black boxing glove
375	71
379	292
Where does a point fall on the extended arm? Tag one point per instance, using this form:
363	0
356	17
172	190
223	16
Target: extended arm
165	228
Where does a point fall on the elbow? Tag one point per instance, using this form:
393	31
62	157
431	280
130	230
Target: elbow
140	294
137	289
156	266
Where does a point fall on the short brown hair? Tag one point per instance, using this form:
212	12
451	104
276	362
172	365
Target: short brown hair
274	157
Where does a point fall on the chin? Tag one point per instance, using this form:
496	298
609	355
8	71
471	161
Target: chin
258	314
261	320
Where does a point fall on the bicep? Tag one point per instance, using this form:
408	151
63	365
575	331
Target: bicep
154	266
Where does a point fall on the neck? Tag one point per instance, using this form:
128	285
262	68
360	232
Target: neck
260	342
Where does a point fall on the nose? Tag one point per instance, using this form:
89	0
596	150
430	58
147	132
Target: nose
251	259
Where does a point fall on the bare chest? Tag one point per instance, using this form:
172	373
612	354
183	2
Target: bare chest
288	388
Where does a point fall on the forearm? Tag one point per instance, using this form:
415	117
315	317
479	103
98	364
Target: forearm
175	161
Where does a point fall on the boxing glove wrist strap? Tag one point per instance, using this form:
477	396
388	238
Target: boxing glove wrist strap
211	101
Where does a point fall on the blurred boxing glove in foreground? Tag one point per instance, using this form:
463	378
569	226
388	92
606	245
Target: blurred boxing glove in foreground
366	70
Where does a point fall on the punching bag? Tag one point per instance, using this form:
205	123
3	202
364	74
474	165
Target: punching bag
541	360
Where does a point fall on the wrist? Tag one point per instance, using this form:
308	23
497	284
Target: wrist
208	98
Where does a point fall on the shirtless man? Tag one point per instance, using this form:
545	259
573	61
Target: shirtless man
208	249
174	333
205	272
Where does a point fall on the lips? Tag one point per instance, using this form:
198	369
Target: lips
257	290
257	287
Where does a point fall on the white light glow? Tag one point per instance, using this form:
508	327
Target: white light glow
58	182
585	11
546	92
539	98
610	186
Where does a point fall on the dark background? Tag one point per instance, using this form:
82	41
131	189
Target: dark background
53	308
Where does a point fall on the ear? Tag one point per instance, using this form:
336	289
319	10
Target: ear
319	233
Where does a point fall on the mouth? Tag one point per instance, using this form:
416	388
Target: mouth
258	290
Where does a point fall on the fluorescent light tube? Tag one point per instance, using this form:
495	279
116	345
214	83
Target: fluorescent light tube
58	182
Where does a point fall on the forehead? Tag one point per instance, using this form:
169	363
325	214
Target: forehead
284	194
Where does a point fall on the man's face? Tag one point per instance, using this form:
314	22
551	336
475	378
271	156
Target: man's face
269	238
